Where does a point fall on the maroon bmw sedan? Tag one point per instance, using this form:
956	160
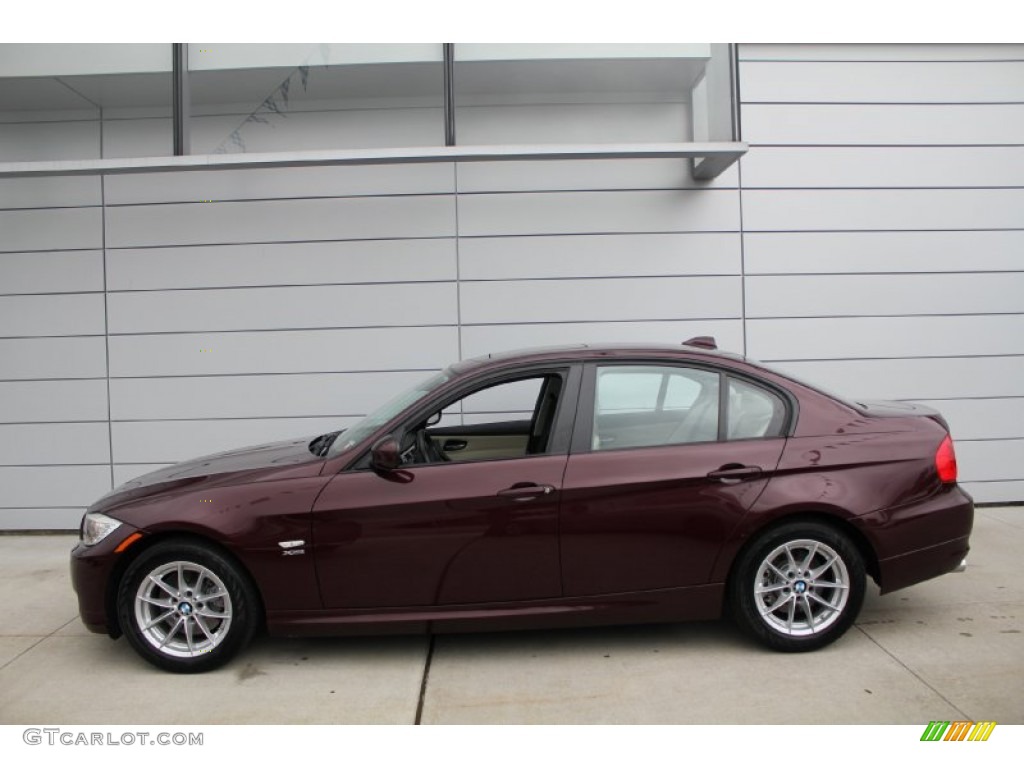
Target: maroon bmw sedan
553	487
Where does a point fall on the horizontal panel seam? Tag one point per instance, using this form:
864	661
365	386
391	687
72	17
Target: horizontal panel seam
992	103
898	273
279	330
390	195
958	399
880	61
886	145
20	208
79	506
53	250
873	315
60	464
283	198
895	357
211	375
1018	438
884	187
153	246
203	419
424	281
210	331
550	278
950	229
491	234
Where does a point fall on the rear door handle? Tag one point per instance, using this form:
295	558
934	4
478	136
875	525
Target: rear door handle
734	473
526	491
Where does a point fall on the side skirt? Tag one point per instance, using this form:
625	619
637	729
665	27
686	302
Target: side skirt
653	606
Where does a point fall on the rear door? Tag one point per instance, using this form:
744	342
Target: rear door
665	461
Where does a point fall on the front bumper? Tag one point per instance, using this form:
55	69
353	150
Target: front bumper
95	571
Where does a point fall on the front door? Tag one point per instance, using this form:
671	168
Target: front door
476	526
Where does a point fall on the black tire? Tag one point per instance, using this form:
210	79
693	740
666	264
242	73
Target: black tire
798	587
201	613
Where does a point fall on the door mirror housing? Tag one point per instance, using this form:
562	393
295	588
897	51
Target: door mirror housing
385	454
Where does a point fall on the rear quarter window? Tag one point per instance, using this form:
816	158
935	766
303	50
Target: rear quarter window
753	411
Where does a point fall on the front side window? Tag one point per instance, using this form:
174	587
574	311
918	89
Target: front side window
508	419
646	405
366	425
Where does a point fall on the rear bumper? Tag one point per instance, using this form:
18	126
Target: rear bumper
915	567
923	540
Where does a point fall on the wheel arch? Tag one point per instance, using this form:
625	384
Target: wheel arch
842	523
146	543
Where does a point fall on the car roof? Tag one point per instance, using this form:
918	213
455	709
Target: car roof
591	351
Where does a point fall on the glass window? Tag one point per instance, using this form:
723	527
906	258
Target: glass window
753	412
513	400
576	93
506	420
681	392
366	425
84	101
278	97
641	405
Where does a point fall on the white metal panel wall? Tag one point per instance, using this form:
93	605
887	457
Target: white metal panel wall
255	305
578	251
244	306
874	247
883	210
54	436
57	135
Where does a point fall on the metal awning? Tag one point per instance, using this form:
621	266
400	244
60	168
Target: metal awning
709	158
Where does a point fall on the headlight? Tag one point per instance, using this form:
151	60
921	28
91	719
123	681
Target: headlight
96	527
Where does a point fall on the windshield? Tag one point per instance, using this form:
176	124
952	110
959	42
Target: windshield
369	423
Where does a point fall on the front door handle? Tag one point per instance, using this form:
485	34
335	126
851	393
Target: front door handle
734	473
453	445
525	491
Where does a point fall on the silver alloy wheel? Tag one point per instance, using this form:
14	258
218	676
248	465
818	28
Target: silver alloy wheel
183	609
801	588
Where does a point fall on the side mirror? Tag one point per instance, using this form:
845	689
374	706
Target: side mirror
384	455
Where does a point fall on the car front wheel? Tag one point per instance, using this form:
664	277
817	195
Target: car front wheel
799	587
184	607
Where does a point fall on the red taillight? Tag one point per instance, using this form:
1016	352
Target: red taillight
945	461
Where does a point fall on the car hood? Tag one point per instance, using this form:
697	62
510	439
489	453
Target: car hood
291	458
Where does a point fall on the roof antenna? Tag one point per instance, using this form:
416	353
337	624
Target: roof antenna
705	342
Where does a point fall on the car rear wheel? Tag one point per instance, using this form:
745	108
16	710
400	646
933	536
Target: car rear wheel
185	607
799	587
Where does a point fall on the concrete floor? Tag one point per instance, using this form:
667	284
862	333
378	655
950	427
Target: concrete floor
949	649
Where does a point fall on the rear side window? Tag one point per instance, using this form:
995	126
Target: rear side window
753	412
646	405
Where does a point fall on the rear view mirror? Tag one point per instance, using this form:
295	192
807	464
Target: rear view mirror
384	455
